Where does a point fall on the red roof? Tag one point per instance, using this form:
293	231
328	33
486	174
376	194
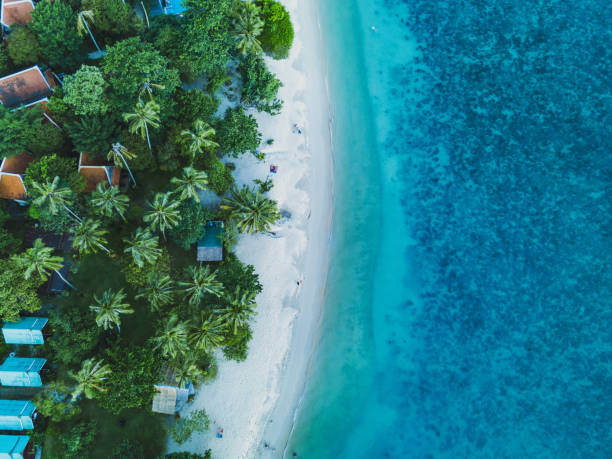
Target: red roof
11	187
97	170
16	11
16	164
25	87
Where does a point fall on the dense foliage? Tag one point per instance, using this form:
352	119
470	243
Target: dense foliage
277	35
134	305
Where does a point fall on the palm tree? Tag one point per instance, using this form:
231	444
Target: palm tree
208	334
186	370
201	281
89	237
117	155
172	342
247	27
190	182
157	290
83	26
147	88
90	378
240	309
250	211
109	308
200	138
163	213
53	196
39	259
143	246
145	115
108	199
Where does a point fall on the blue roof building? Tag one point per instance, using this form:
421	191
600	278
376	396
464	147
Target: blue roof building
27	331
210	246
13	446
21	372
17	414
167	7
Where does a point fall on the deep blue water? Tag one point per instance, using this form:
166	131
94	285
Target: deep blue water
469	310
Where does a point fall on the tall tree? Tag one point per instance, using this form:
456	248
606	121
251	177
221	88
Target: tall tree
172	340
16	292
189	183
89	236
157	290
83	19
144	115
247	27
17	129
277	36
240	308
119	155
148	87
200	138
259	86
250	211
130	62
162	213
186	370
90	378
143	247
109	307
39	259
93	134
207	334
200	281
84	91
52	197
106	200
55	25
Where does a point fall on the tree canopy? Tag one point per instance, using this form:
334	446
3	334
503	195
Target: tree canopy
85	91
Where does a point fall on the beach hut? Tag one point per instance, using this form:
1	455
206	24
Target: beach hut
17	414
29	330
210	246
15	447
170	396
21	371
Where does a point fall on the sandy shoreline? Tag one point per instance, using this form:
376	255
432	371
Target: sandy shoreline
256	400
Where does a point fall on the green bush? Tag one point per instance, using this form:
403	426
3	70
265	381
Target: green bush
237	132
49	139
191	226
5	62
196	421
48	167
277	36
220	178
22	46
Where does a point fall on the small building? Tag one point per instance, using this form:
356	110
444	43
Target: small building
210	246
29	330
167	7
12	173
15	447
170	396
98	170
16	12
27	88
17	415
21	372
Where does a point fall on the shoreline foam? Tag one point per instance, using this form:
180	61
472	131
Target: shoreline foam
256	400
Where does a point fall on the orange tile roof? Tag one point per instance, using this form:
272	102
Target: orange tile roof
24	87
86	160
17	164
16	11
11	187
93	176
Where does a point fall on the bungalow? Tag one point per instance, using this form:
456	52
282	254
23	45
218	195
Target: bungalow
16	12
21	371
210	246
15	447
170	396
12	173
27	87
17	415
167	7
97	170
28	330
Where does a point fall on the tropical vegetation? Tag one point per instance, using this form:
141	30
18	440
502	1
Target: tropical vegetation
112	260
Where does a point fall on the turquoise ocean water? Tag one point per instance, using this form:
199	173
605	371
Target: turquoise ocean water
468	311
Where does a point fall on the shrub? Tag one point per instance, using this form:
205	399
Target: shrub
220	178
84	91
22	46
195	104
277	36
50	166
93	134
49	139
237	132
5	62
191	226
196	421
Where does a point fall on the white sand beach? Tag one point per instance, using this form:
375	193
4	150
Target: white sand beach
255	401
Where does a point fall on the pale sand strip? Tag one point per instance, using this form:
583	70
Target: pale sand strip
264	391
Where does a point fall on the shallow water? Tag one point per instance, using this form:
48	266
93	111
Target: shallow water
468	311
